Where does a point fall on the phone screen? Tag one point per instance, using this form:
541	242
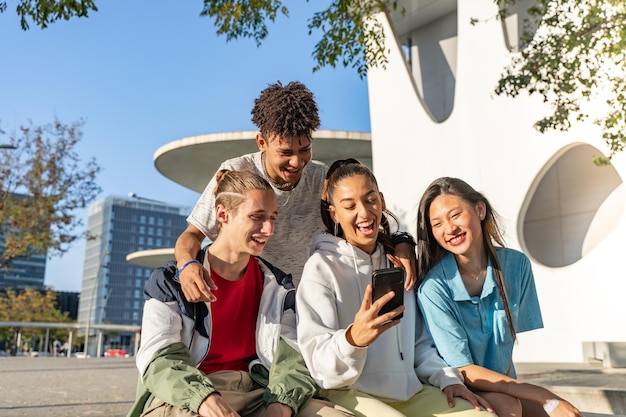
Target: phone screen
385	280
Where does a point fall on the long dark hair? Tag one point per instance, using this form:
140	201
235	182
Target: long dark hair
338	171
430	252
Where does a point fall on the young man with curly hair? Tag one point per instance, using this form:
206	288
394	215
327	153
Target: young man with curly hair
286	116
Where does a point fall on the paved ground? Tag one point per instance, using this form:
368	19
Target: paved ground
590	387
62	387
66	387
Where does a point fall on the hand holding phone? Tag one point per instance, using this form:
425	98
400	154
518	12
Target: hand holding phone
385	280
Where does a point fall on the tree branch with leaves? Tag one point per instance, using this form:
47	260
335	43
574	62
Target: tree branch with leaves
350	34
43	183
29	305
44	12
576	56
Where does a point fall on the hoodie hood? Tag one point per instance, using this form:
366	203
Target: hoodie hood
329	245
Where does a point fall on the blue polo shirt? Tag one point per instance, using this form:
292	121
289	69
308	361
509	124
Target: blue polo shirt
474	330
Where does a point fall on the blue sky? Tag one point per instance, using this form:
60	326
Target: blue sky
142	74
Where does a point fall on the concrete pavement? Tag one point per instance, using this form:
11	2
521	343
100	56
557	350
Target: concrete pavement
66	387
592	388
73	387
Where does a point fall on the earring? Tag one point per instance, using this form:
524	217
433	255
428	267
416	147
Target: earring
336	229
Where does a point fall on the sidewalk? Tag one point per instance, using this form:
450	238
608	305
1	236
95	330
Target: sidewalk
590	387
72	387
66	387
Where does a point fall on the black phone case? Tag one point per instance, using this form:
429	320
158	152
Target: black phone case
385	280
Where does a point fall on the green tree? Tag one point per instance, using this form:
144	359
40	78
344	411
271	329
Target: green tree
350	35
577	55
42	185
44	12
29	306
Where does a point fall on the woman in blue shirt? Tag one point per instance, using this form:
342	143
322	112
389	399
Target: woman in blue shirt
476	296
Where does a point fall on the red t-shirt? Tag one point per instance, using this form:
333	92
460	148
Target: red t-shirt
234	315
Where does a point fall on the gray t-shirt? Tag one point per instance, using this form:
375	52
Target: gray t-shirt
298	218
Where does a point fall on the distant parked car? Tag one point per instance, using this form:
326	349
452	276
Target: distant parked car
116	352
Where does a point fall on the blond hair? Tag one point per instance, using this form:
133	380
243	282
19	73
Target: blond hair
232	185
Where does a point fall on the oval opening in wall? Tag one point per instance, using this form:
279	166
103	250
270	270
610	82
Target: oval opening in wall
428	34
572	205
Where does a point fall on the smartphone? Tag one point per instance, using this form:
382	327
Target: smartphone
385	280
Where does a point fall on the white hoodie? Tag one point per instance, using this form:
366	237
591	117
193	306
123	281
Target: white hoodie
329	296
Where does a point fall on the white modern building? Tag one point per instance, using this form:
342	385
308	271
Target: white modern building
433	113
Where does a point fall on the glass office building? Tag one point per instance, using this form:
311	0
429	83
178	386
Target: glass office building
112	288
23	271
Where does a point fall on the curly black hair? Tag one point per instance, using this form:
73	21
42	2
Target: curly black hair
286	111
